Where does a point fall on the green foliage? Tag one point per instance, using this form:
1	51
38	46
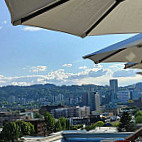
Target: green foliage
63	122
31	128
138	119
14	130
73	128
90	127
26	128
115	124
76	127
138	113
93	126
50	122
99	124
58	126
10	132
37	115
68	125
130	101
125	124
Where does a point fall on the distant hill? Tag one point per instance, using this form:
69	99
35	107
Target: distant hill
48	90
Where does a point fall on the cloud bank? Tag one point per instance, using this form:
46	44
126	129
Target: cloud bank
98	75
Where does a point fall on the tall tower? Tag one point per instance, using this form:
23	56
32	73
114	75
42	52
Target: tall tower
94	101
114	85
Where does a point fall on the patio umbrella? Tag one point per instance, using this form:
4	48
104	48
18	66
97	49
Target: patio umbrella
140	73
133	65
79	17
129	50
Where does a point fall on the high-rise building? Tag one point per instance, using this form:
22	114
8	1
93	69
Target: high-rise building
61	97
114	85
85	98
94	101
97	101
123	96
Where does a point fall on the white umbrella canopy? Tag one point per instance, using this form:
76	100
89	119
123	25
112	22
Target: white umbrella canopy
79	17
129	50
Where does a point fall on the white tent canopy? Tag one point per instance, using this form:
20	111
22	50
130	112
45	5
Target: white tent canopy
79	17
129	50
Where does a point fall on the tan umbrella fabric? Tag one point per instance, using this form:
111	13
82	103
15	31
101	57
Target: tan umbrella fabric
133	65
129	50
79	17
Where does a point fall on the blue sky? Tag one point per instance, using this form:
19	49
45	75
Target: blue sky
30	55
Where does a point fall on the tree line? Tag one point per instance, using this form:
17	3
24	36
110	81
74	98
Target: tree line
14	130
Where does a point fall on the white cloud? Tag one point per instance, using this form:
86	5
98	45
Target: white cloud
20	84
98	75
31	29
83	67
0	27
4	22
58	77
38	69
67	65
116	67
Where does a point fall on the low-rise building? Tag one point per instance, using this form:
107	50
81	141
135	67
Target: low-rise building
71	112
48	108
80	120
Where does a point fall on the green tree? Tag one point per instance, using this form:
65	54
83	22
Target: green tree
136	109
50	122
115	124
31	128
26	128
125	124
63	122
37	115
10	132
58	126
90	127
99	124
138	119
138	113
68	125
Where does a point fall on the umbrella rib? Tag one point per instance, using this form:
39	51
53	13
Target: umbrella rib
45	9
129	66
103	17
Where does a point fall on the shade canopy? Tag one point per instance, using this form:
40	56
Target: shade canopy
133	65
79	17
139	73
129	50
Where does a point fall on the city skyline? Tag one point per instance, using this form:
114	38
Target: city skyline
54	57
